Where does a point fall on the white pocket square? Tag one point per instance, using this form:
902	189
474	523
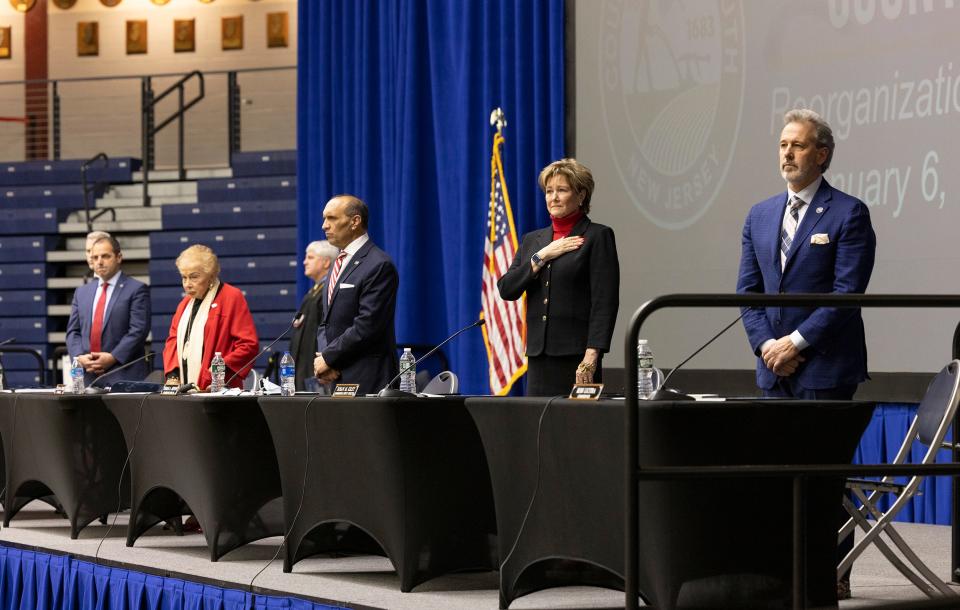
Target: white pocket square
819	239
342	286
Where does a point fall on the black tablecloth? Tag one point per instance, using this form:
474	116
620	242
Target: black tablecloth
69	447
722	543
211	456
409	472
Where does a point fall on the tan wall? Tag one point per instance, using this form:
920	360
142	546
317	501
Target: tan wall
104	115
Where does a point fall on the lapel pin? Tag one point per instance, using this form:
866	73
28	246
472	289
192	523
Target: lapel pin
356	262
213	305
820	210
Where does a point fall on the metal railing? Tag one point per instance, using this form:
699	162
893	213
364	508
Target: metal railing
66	118
150	129
96	188
798	473
16	349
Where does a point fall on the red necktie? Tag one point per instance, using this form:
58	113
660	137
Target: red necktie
335	275
97	327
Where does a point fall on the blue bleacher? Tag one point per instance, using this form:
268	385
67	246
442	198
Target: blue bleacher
260	297
231	214
26	330
23	379
264	163
218	190
229	242
119	171
28	248
23	302
53	196
235	270
24	276
33	221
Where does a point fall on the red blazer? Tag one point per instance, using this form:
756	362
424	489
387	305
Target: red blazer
229	330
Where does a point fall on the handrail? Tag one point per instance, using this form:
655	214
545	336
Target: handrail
17	349
77	79
631	434
150	130
86	190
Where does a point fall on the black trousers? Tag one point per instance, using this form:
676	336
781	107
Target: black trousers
555	375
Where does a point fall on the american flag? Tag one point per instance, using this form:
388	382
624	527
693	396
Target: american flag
503	334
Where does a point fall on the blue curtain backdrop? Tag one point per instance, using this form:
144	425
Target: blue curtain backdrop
394	99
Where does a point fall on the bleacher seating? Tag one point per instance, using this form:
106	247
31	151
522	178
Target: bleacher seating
119	170
35	197
31	221
229	242
231	215
264	163
26	248
19	276
249	221
218	190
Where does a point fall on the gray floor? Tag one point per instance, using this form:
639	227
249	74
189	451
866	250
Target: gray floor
370	581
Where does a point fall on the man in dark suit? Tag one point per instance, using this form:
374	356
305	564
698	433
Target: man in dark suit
303	341
811	238
109	317
355	340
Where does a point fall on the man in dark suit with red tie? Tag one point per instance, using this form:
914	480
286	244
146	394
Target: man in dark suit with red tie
109	317
355	339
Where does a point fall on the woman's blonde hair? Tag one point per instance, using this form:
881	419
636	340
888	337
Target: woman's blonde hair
578	176
200	256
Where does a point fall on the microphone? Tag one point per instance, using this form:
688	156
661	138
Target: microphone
665	393
388	392
260	353
94	390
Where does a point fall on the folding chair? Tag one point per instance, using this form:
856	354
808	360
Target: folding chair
929	427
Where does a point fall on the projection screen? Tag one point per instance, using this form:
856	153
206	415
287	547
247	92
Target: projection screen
679	108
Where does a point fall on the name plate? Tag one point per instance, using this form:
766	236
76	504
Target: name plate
345	390
586	391
169	389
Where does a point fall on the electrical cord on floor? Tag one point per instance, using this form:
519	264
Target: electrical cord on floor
133	444
536	488
303	492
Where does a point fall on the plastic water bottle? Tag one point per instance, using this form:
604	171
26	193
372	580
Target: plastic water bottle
76	377
644	370
218	371
288	373
408	372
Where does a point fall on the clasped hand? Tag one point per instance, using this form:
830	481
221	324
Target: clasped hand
323	371
97	362
782	357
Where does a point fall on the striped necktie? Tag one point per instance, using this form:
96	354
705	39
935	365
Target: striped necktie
789	230
335	275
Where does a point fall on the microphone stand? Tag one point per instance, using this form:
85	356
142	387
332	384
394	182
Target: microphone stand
388	392
227	383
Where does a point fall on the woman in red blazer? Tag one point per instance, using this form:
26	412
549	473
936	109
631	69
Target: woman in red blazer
213	317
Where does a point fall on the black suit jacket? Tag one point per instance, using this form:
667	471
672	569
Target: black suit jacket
358	322
572	302
303	340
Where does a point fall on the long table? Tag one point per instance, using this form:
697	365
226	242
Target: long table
557	473
405	475
211	456
67	450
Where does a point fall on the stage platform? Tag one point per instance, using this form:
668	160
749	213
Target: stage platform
370	582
